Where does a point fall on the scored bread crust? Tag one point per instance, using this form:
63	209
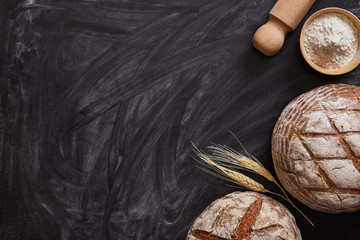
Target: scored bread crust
316	148
245	216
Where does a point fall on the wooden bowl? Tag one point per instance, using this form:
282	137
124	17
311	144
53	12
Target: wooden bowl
353	63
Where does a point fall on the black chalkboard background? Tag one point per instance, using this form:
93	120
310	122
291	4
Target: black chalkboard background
100	98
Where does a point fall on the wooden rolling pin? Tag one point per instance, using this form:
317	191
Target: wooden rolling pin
283	18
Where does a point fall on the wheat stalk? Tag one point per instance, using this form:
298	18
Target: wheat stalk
226	156
239	178
223	159
253	164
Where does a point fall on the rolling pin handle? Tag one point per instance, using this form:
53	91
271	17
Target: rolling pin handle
269	38
283	18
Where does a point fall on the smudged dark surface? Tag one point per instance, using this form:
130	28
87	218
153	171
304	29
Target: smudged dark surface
100	98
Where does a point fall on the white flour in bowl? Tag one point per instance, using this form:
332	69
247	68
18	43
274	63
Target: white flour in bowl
331	40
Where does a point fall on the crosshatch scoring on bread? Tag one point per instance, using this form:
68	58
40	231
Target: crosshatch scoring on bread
244	216
316	148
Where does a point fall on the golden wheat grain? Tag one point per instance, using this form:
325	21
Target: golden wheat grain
227	156
239	178
245	181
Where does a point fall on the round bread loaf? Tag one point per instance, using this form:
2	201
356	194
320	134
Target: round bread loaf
244	215
316	148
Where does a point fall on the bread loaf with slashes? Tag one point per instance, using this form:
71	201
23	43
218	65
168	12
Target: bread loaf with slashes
316	148
245	216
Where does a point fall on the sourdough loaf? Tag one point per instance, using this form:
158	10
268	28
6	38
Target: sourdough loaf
316	148
245	216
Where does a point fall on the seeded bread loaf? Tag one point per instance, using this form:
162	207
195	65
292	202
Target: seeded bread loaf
316	148
245	216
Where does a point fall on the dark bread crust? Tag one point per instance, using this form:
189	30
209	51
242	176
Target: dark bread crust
244	215
315	148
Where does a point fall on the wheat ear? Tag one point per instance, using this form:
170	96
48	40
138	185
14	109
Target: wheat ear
237	177
228	157
260	169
